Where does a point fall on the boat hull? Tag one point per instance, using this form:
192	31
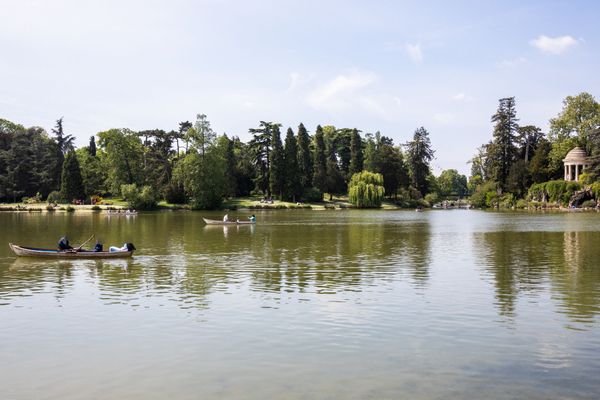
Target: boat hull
219	222
49	253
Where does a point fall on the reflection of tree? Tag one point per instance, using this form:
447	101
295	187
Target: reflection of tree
339	256
25	276
522	262
182	259
577	278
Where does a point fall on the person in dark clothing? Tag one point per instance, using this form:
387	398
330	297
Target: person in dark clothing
98	247
63	243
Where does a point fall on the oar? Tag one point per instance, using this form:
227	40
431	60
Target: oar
82	244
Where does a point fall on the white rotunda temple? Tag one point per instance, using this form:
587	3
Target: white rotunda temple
575	162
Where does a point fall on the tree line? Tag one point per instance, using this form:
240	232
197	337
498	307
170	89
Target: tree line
519	159
193	164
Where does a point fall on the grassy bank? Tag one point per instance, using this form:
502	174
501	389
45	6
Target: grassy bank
238	203
336	203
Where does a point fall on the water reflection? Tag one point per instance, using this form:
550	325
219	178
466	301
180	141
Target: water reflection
353	304
525	263
186	261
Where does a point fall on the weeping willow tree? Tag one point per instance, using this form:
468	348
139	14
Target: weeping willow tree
365	190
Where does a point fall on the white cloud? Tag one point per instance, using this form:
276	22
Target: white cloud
297	81
340	92
515	62
414	52
555	45
444	118
462	97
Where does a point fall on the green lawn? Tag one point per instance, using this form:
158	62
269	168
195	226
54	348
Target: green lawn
337	203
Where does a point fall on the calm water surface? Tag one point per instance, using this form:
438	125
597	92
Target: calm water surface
327	305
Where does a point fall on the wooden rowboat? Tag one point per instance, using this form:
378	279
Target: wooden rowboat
221	222
23	251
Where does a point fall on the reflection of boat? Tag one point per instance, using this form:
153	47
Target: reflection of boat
34	252
221	222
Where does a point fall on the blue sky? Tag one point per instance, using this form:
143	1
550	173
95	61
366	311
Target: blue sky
390	66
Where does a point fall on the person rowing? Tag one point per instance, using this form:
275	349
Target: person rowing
252	218
63	244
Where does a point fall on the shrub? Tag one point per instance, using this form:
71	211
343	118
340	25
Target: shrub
432	198
492	199
54	197
521	204
595	188
365	190
96	208
484	195
557	191
312	195
585	178
174	193
70	209
32	200
507	201
140	199
50	207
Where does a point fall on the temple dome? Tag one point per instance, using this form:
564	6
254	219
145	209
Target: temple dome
577	155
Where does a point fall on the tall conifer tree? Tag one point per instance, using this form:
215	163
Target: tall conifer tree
92	147
293	188
72	187
320	164
356	153
420	154
277	173
503	152
304	158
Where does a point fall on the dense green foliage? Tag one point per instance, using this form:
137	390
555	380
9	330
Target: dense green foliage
420	154
365	190
557	191
293	185
451	183
71	187
144	198
320	161
522	162
194	165
28	162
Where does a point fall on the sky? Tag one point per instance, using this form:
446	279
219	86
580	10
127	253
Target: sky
388	66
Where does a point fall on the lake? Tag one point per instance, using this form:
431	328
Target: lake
322	304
